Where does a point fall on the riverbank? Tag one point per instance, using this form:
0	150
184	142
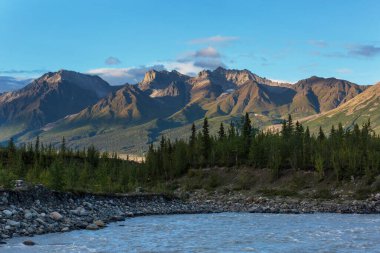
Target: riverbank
38	210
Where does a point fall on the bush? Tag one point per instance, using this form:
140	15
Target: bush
323	194
244	181
298	182
6	178
362	193
213	181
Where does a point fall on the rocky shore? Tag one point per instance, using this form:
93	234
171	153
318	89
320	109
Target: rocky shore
243	202
38	210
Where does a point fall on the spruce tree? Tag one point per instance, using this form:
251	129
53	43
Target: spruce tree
192	136
206	142
221	133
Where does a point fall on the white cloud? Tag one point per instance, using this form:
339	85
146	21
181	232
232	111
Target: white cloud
190	64
205	58
214	40
187	68
207	52
118	76
281	81
112	61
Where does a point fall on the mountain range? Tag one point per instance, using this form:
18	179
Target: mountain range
8	83
87	110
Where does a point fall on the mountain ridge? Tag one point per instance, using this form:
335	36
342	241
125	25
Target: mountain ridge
165	101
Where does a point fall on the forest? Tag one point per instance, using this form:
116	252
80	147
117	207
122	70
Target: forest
346	153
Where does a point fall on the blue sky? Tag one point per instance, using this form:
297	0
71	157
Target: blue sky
120	40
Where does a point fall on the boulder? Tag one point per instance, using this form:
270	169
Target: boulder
56	216
99	223
92	227
29	243
129	214
117	218
13	223
7	213
28	215
65	229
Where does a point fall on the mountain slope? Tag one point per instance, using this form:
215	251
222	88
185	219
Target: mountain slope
126	105
357	110
316	94
47	99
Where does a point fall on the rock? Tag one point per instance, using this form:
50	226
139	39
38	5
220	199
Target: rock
99	223
92	227
129	214
28	215
29	243
117	218
7	213
65	229
56	216
87	204
80	211
40	221
4	199
4	236
13	223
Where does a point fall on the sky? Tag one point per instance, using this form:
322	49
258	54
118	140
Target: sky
121	40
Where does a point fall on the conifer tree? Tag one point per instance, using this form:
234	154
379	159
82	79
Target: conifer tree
221	133
206	141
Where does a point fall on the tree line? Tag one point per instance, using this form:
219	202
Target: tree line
343	153
66	169
346	153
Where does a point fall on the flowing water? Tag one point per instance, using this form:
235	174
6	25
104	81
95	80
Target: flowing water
224	232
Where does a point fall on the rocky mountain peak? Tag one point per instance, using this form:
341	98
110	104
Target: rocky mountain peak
154	79
84	81
204	73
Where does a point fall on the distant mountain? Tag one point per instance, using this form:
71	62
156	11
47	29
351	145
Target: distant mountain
85	109
358	110
49	98
316	95
170	88
8	83
126	105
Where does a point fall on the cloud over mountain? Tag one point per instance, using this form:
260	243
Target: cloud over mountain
118	76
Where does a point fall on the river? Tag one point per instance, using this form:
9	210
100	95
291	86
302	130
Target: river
223	232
